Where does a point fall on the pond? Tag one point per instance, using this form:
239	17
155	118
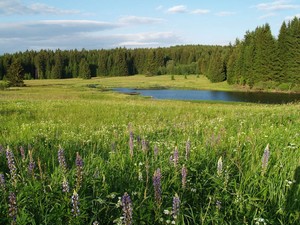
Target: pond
254	97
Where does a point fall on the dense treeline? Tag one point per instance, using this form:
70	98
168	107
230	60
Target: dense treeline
258	59
46	64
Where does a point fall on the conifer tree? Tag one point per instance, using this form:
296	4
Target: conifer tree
84	69
15	74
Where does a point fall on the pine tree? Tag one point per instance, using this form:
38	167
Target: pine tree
15	74
84	69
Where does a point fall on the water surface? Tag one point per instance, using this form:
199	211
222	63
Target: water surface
254	97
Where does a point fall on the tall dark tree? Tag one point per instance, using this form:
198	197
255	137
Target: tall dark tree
84	69
15	74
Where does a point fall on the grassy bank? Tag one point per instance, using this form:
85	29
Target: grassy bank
77	117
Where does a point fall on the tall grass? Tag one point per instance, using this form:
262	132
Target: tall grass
226	179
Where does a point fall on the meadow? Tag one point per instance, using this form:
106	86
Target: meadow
73	152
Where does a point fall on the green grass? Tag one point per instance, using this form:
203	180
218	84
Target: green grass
96	124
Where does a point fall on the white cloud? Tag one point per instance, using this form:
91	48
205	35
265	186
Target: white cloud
200	11
140	20
276	6
160	7
267	15
71	34
292	17
10	7
178	9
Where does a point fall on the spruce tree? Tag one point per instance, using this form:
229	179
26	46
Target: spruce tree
84	69
15	74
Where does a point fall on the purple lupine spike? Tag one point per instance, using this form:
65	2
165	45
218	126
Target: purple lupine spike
187	149
22	152
12	166
75	204
65	186
265	158
176	206
31	165
2	181
157	186
12	207
176	156
79	171
62	160
155	150
144	145
183	176
220	166
127	209
131	144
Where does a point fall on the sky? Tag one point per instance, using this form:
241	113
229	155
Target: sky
105	24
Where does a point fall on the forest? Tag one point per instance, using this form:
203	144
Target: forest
258	59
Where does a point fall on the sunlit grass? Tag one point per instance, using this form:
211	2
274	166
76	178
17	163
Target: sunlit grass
97	124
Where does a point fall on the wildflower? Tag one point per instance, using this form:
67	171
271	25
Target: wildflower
75	204
140	177
79	171
187	149
183	176
176	206
218	204
157	186
62	160
12	207
220	166
131	146
11	165
95	223
175	156
65	186
2	180
31	165
22	152
167	212
265	159
155	150
127	209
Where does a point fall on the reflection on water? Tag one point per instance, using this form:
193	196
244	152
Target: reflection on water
256	97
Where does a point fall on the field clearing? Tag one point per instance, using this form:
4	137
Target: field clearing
124	139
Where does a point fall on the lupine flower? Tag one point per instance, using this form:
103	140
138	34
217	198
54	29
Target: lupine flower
220	166
183	175
79	171
144	145
127	209
155	150
265	158
218	204
31	165
65	186
22	152
62	160
12	207
75	204
176	206
131	144
187	149
2	180
175	156
11	165
157	186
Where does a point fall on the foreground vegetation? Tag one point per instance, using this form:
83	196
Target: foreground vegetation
75	153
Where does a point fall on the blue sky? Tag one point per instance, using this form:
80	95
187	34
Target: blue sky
96	24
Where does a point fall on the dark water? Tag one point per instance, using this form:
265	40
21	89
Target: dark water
255	97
